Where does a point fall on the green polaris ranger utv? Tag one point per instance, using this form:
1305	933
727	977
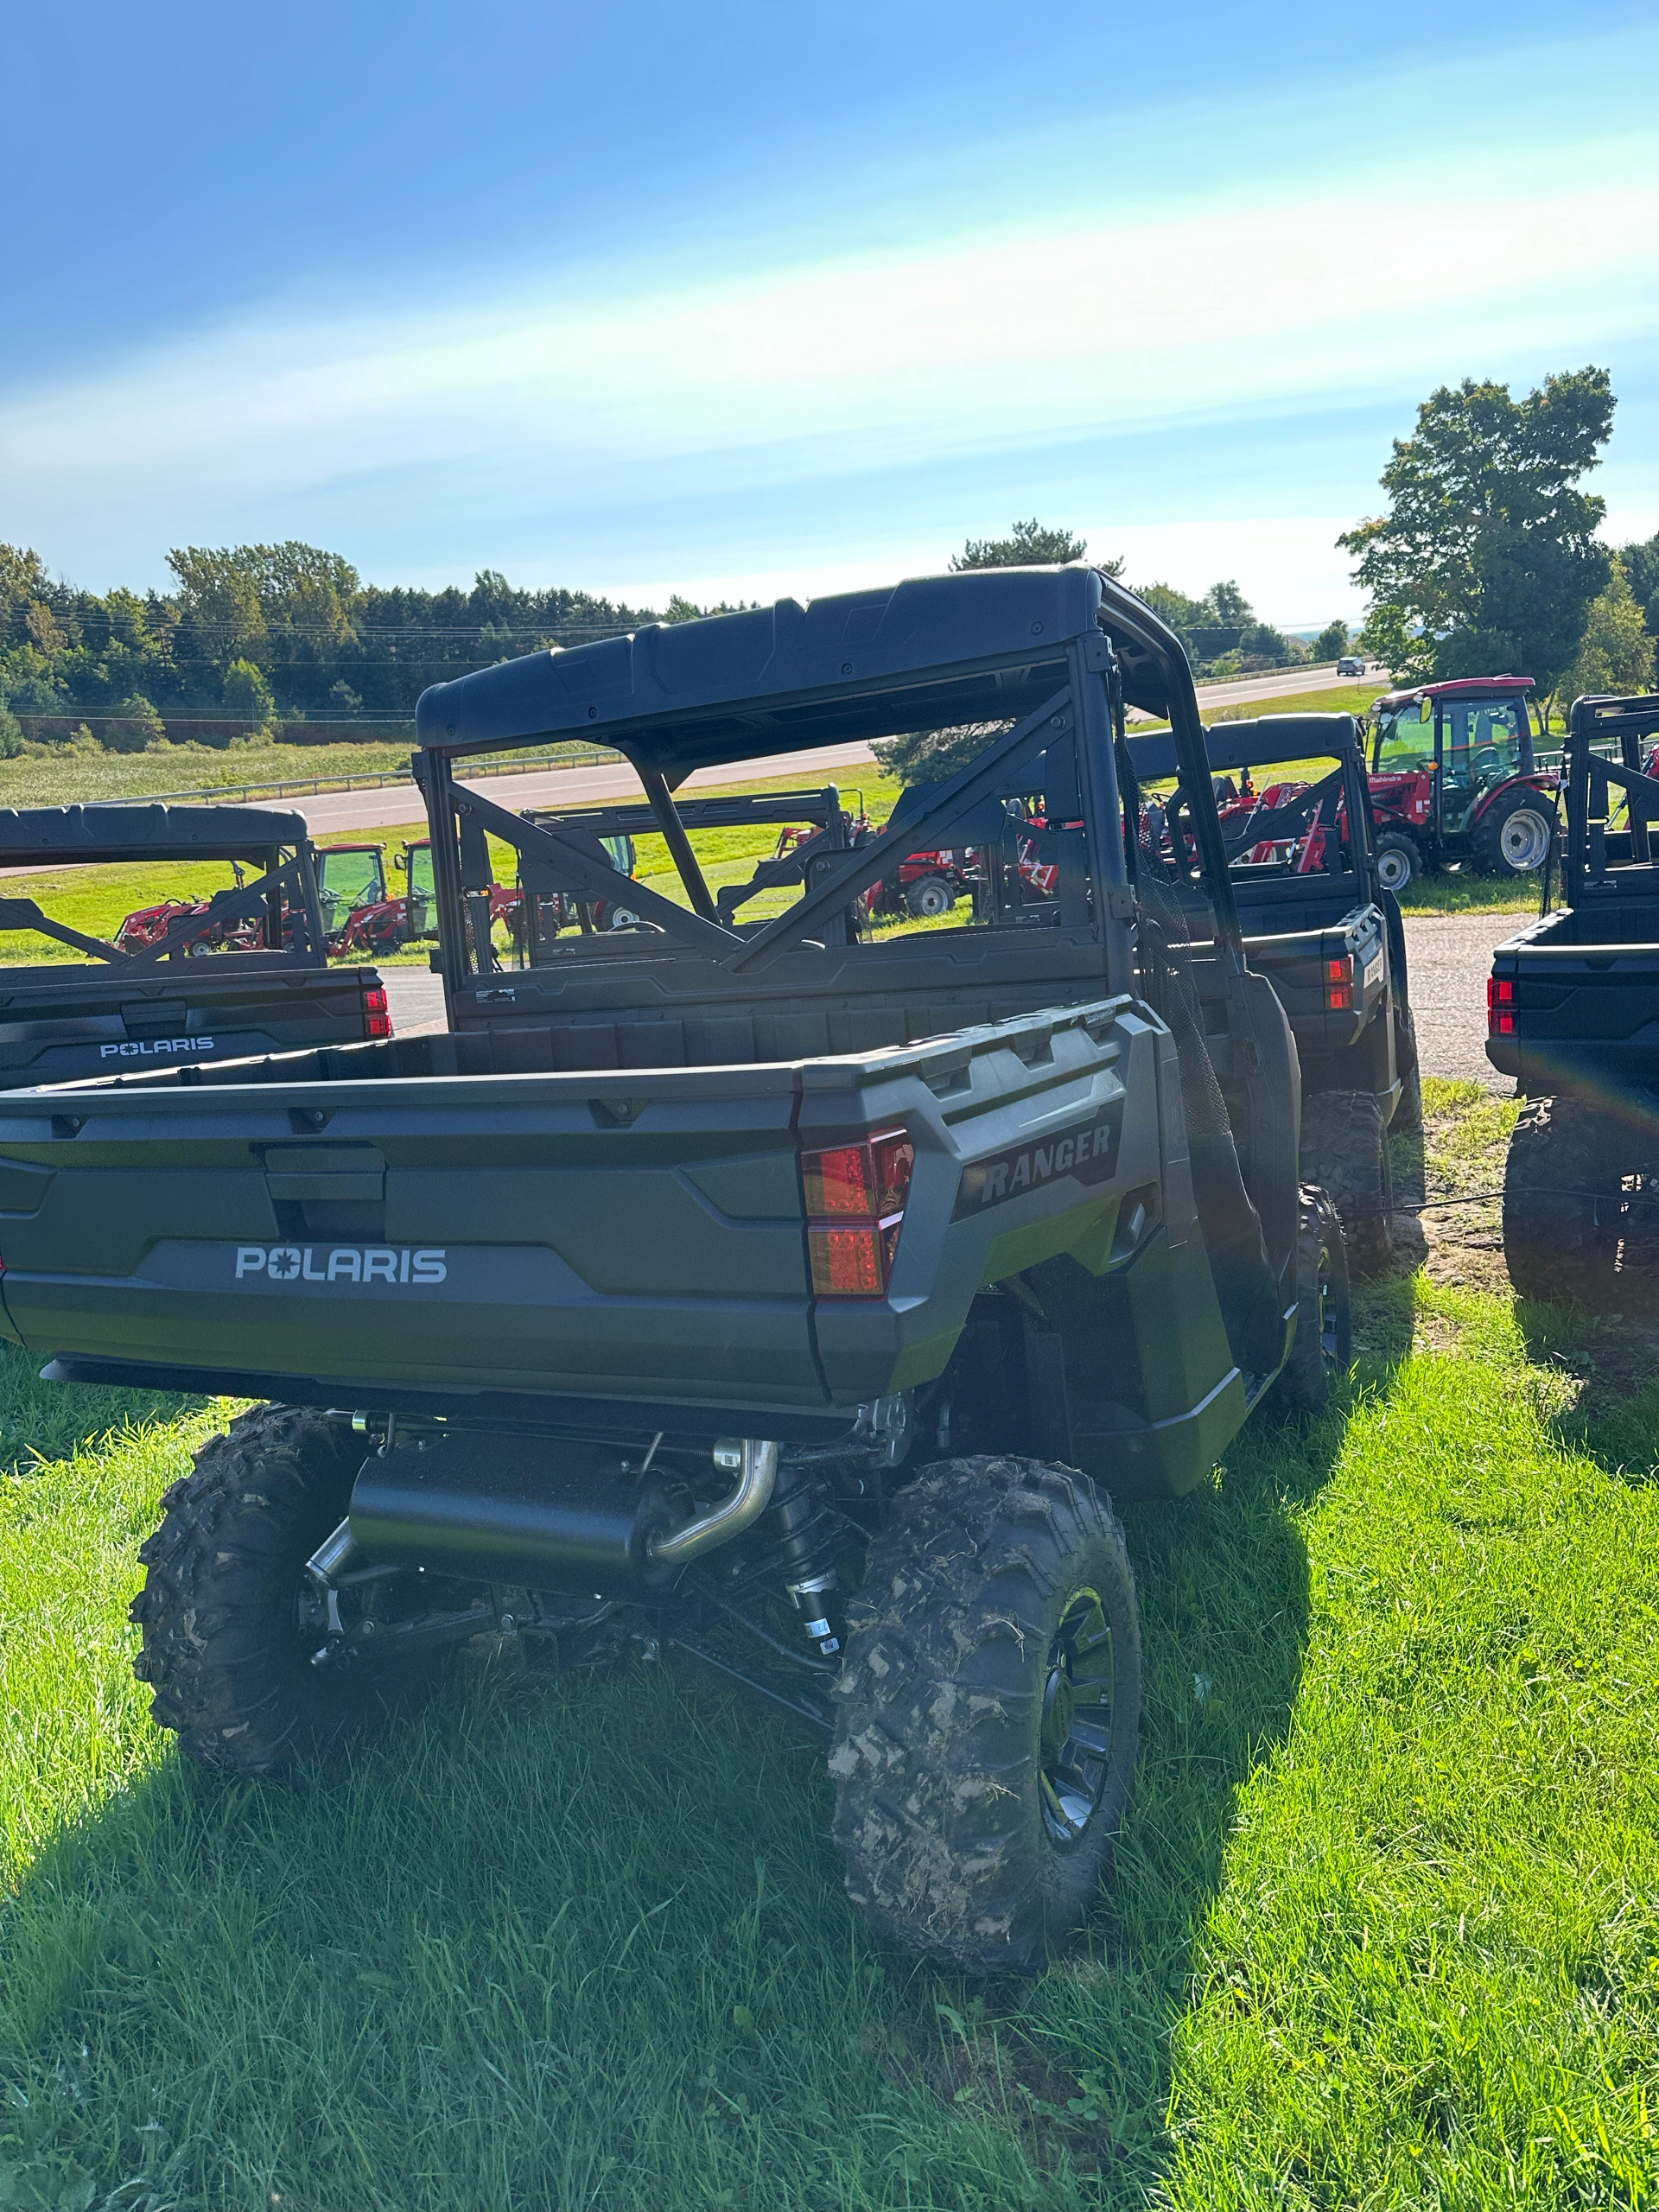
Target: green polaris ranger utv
740	1280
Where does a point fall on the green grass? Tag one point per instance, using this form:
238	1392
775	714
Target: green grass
1385	1928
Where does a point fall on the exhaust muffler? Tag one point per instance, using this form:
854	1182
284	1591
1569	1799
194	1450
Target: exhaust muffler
506	1508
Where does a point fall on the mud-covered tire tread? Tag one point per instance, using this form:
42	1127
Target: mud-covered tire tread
1408	1111
1344	1150
1561	1156
937	1809
1305	1382
221	1652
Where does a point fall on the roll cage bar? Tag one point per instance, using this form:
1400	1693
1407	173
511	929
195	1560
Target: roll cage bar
1055	653
1590	778
284	895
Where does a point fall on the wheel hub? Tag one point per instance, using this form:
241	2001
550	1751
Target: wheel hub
1523	840
1077	1727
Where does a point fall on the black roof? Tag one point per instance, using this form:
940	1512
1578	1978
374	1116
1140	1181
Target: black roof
984	646
31	835
1254	744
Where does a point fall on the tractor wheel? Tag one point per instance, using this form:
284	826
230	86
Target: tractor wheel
1345	1151
990	1712
1399	861
1563	1203
231	1619
928	898
1408	1112
621	918
1323	1350
1512	837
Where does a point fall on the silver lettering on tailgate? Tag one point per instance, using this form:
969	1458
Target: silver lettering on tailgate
143	1047
1088	1154
358	1264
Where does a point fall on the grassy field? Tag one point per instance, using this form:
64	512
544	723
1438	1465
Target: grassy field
95	900
1385	1928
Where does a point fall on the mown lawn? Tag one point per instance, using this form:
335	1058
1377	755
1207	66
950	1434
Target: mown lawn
1384	1930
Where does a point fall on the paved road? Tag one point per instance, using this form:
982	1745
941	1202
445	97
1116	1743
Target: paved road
1450	958
415	997
337	810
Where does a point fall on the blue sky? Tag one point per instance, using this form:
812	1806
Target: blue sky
753	299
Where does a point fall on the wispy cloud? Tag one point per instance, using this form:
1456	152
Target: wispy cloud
1140	311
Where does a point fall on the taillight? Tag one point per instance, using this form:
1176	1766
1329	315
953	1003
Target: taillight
377	1018
1339	985
855	1198
1500	1004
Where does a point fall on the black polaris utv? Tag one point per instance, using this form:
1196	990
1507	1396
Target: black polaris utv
229	957
801	1299
1572	1015
1320	925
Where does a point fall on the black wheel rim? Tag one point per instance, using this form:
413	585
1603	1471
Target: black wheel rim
1078	1693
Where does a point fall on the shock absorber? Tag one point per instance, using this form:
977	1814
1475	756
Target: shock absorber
801	1521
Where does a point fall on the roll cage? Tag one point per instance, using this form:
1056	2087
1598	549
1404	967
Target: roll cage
283	897
1597	860
1049	657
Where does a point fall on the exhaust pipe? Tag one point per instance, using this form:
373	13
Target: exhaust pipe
755	1464
502	1508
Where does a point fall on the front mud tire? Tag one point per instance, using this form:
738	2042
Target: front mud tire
1323	1350
1345	1151
988	1712
1561	1203
224	1649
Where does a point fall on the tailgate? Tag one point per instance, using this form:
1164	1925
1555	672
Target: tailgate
1331	982
68	1028
634	1234
1559	1012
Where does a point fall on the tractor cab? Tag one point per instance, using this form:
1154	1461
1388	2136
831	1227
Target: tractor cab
348	877
1453	778
414	864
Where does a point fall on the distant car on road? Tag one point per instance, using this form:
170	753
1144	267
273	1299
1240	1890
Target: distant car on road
1351	665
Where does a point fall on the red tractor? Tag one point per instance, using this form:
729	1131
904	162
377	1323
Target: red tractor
381	920
348	877
1453	779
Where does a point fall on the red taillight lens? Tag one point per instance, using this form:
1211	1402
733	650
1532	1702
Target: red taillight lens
377	1019
1500	996
851	1260
1339	985
871	1180
855	1198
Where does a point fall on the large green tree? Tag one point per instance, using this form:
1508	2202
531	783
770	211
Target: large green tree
1615	654
1640	563
928	755
1486	561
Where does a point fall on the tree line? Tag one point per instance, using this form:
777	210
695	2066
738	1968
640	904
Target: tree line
1487	560
288	640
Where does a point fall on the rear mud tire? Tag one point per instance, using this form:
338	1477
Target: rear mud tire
1408	1111
1323	1351
1345	1151
976	1827
1561	1203
223	1650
